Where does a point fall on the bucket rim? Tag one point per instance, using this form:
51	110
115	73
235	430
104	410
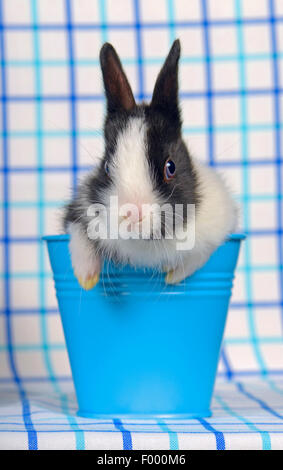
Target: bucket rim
66	237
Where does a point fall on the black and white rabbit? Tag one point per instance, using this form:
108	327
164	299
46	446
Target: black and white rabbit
147	162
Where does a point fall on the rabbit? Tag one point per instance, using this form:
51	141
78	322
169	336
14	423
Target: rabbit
147	163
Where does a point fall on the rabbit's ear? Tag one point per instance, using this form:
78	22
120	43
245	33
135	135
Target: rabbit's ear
117	89
165	94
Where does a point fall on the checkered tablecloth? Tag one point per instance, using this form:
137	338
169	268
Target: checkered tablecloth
247	414
51	112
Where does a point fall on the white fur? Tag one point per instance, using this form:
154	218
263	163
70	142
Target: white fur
132	178
217	214
85	262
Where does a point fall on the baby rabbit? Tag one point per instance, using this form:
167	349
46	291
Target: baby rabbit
147	164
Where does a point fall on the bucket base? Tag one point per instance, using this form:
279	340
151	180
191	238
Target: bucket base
201	414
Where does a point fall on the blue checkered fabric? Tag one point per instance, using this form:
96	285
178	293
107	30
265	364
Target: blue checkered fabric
52	106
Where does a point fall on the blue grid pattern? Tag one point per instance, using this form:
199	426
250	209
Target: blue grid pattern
51	116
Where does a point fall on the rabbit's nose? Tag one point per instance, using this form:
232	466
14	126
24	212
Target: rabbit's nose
134	216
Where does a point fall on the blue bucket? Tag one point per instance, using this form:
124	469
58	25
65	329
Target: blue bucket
139	347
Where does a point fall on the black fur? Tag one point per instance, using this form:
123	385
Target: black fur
164	138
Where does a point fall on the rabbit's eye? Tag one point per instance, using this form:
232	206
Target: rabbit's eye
106	168
169	170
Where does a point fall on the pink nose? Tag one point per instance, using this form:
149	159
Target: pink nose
135	216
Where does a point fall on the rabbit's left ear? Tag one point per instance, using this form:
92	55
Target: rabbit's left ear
165	94
117	88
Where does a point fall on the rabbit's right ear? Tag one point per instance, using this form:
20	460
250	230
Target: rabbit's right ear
117	89
165	93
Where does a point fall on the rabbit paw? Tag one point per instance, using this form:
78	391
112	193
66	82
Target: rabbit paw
178	274
85	261
174	276
89	282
